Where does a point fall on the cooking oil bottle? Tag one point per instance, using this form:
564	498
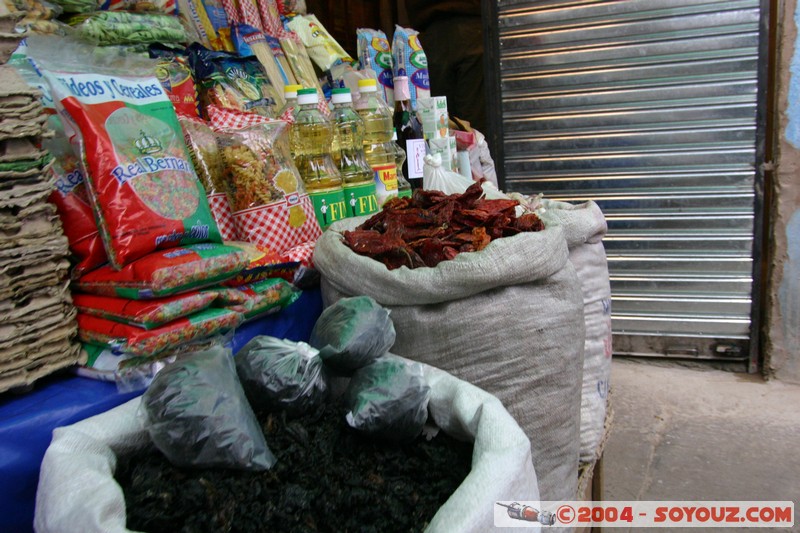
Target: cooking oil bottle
403	186
289	108
378	147
357	175
311	139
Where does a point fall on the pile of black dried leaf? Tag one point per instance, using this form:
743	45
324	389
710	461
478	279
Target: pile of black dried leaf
328	478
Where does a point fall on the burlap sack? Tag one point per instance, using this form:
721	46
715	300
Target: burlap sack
584	226
508	319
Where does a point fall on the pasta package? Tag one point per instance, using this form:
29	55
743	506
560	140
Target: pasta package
263	264
258	299
148	342
270	205
409	59
72	202
208	164
322	48
374	53
231	82
146	314
161	274
172	70
143	189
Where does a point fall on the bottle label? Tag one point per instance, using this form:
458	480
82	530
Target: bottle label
405	193
385	182
329	206
360	199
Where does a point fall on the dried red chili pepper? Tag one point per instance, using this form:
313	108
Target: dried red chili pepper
431	227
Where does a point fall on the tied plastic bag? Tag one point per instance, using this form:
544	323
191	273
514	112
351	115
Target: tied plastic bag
353	333
196	413
278	373
388	399
436	177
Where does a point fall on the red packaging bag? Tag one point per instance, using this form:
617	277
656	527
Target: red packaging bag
263	264
72	202
166	273
258	299
143	189
137	341
146	314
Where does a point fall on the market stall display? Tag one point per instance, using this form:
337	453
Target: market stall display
190	214
38	318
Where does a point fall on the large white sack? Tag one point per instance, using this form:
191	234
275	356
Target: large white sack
508	319
77	492
585	226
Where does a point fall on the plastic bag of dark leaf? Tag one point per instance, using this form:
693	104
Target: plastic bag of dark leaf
352	333
388	399
197	415
277	373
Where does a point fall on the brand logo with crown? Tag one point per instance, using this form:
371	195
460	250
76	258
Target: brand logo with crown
147	145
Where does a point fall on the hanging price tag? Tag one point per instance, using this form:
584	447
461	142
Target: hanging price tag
415	153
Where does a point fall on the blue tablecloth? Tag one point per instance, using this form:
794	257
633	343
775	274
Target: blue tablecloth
27	420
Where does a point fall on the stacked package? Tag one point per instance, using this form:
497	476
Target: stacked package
36	313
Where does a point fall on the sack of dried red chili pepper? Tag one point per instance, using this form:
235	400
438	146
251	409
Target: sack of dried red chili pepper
147	314
137	341
165	273
496	306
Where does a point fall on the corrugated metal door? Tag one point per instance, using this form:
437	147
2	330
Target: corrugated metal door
648	107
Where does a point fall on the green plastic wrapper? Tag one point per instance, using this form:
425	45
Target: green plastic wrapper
119	27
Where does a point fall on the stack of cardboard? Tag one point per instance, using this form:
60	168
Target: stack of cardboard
37	318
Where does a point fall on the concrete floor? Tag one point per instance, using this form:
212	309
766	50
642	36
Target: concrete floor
701	434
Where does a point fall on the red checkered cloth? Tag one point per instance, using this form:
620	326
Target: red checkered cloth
227	119
271	19
221	210
231	11
250	15
304	253
270	226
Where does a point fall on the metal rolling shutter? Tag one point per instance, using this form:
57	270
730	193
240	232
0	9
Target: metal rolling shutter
649	108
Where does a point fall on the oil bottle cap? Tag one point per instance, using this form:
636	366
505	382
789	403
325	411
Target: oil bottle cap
307	96
291	90
341	96
367	86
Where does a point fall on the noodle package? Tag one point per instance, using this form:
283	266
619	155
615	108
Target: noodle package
374	53
270	206
208	164
143	189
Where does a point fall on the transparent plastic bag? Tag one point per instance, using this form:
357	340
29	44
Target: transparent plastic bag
278	373
352	333
196	413
388	399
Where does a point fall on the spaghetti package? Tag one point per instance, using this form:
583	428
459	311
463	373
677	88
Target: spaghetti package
322	48
165	273
409	59
148	342
270	206
146	314
259	298
143	189
231	82
208	164
250	41
374	53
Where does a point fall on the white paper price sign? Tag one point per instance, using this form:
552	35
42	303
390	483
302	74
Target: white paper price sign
415	154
